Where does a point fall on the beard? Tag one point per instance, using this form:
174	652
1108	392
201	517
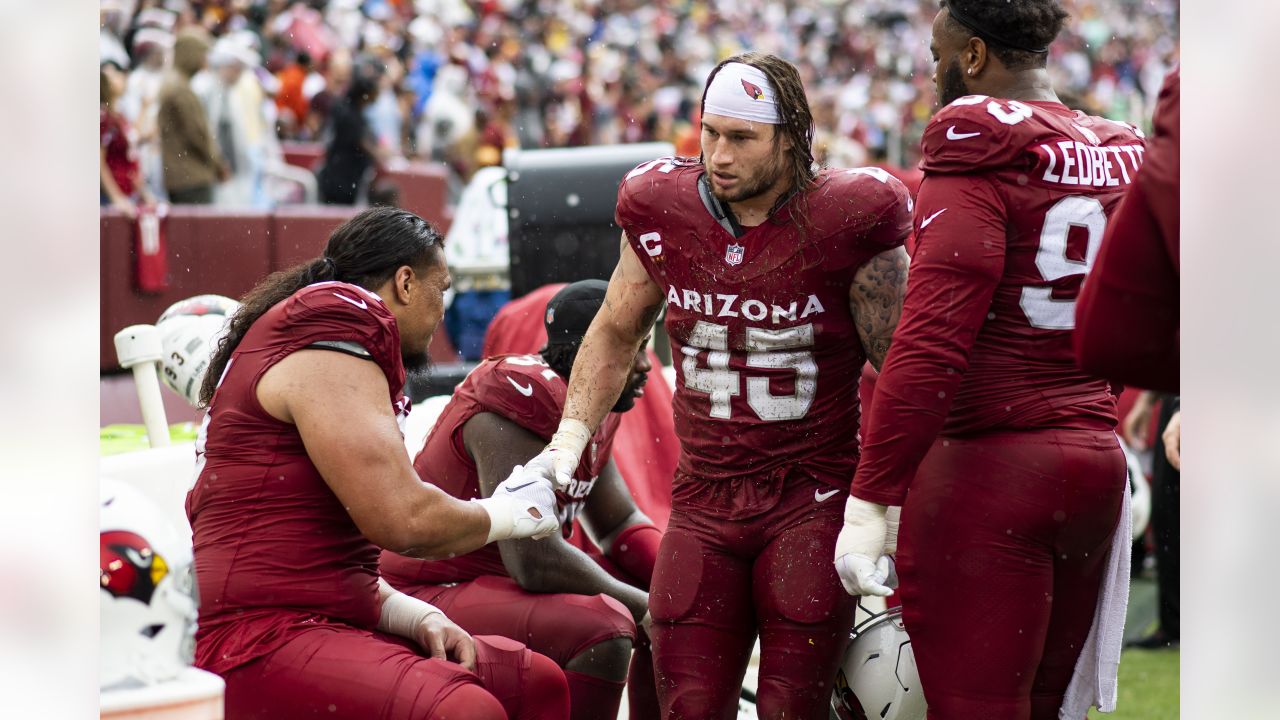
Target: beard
417	366
757	184
627	399
952	84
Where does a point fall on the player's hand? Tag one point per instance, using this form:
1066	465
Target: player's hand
1134	427
439	636
1173	441
860	556
555	465
523	505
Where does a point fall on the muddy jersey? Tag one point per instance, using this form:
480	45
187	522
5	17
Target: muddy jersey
275	549
1010	216
763	339
524	390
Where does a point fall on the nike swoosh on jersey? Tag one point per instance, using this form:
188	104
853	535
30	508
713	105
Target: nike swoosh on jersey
358	303
926	221
525	390
819	496
953	135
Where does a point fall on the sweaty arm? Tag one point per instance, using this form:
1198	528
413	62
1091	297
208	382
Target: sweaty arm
631	305
957	265
340	406
875	298
497	445
625	534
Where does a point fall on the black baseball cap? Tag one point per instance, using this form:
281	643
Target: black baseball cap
570	311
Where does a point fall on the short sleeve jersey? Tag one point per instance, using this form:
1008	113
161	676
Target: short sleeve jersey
524	390
274	547
763	339
1015	199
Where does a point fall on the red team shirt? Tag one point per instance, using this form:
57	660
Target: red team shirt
767	354
1010	216
524	390
275	551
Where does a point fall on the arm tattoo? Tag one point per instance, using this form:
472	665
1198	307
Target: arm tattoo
875	298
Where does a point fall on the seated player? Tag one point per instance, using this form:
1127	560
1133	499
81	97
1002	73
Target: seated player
303	476
579	610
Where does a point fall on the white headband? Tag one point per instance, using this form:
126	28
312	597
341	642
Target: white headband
742	91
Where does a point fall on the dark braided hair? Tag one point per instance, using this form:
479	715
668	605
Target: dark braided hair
366	250
1013	29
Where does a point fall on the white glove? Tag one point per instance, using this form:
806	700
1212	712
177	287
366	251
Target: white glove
523	505
860	558
558	461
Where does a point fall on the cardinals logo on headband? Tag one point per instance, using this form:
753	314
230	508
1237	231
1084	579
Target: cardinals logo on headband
753	90
129	567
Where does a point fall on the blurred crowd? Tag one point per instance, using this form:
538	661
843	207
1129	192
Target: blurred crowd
197	95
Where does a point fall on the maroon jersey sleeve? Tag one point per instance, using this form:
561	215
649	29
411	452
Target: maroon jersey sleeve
340	311
958	263
1127	319
971	135
1159	176
524	390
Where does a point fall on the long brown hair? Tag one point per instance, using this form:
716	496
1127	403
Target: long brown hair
793	112
366	250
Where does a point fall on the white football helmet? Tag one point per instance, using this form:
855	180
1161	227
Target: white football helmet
148	605
189	332
878	677
1139	489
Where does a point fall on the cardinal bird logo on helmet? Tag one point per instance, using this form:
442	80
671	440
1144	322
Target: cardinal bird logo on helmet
129	567
753	91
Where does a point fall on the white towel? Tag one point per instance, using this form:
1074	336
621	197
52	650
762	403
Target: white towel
1093	683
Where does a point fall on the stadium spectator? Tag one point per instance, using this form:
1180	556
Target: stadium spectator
141	100
353	150
121	180
999	449
192	165
291	100
302	476
578	608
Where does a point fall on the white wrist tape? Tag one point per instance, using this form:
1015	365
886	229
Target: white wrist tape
864	530
572	437
401	614
892	518
502	516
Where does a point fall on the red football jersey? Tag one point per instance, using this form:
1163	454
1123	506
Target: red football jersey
274	548
524	390
766	350
1010	216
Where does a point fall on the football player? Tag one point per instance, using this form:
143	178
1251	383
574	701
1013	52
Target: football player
548	594
1128	311
302	474
1015	474
779	281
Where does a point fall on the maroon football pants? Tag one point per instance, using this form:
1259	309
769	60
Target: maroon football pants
561	626
1003	544
337	674
719	581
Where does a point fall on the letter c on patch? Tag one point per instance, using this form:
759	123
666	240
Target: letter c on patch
652	243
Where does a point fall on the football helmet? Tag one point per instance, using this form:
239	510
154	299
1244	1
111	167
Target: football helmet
878	677
147	598
189	332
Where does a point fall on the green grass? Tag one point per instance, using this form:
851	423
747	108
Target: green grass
1148	687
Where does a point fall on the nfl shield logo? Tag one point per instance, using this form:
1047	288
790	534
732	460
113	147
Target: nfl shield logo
733	254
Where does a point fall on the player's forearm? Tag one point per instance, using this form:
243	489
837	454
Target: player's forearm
566	569
439	526
599	373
